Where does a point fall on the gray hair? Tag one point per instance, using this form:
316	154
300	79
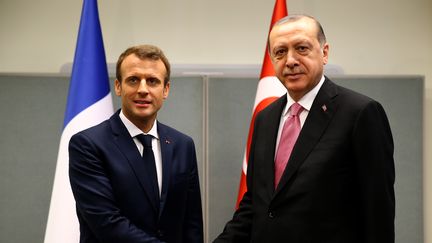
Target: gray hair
293	18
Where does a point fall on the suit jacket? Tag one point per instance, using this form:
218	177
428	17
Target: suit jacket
114	200
338	183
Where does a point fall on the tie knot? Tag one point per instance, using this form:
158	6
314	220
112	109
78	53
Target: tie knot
145	140
296	108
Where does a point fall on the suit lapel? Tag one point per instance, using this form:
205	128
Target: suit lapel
271	127
167	145
127	146
320	115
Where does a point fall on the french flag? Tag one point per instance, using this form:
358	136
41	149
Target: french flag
89	102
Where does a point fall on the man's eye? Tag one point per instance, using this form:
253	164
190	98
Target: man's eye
153	81
279	53
132	80
302	48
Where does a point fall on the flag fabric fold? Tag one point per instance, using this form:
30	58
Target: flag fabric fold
269	89
89	102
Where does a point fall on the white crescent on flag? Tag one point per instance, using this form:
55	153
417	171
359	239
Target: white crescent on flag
269	89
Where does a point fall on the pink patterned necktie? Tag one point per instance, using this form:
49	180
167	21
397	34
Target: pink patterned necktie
290	132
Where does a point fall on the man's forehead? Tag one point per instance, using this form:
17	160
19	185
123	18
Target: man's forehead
297	30
303	24
135	61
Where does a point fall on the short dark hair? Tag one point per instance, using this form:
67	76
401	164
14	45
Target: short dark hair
144	52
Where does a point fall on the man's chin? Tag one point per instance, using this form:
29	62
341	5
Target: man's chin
291	83
143	114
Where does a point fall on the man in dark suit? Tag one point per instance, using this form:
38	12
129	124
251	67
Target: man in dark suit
338	183
135	179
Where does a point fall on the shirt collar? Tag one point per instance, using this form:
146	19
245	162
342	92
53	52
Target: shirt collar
134	130
305	101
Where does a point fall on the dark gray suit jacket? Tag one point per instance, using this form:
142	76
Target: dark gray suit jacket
338	186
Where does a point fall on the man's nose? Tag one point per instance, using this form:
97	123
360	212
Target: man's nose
291	60
143	88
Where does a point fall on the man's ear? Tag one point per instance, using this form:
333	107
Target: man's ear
325	51
117	87
166	90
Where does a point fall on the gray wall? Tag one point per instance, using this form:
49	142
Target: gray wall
216	113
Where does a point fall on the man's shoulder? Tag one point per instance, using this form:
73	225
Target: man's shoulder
100	130
275	107
351	101
350	96
172	132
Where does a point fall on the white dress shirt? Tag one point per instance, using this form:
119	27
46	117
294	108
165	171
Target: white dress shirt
134	131
305	101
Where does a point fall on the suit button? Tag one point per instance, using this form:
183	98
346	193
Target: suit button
160	233
271	214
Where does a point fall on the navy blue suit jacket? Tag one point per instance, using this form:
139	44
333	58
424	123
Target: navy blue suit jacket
338	186
114	200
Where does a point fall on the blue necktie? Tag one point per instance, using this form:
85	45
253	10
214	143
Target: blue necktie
150	163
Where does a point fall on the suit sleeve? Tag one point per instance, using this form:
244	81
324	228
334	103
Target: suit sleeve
193	226
95	201
373	148
238	229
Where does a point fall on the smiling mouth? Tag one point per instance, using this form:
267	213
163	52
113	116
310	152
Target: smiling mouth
142	102
293	75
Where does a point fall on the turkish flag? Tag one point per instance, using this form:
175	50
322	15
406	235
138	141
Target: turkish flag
269	89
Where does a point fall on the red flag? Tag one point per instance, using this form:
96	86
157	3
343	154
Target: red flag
269	89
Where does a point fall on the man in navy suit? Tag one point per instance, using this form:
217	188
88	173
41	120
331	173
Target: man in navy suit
338	182
135	179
